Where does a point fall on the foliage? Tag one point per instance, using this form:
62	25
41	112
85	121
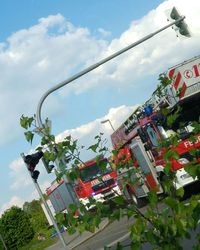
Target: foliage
15	228
166	220
36	214
35	244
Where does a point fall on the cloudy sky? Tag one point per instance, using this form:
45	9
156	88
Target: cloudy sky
43	43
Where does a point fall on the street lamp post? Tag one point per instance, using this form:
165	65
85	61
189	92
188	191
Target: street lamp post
96	65
107	120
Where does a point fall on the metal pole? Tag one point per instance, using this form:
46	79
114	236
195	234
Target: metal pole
111	125
108	120
2	240
94	66
87	70
47	207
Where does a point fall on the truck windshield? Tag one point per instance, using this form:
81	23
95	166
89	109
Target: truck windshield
152	135
189	112
94	171
183	130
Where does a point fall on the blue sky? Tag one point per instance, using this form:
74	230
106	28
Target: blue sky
114	15
44	42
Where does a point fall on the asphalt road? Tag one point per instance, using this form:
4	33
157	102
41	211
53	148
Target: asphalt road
186	244
113	231
118	232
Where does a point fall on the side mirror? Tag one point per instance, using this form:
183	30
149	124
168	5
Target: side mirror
142	135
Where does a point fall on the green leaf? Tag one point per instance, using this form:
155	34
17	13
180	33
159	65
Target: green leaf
173	228
180	192
81	228
116	215
193	170
119	200
44	141
49	156
131	212
135	237
71	230
167	168
90	228
181	224
29	136
96	220
73	208
119	246
23	122
73	174
172	203
153	198
135	246
26	122
93	147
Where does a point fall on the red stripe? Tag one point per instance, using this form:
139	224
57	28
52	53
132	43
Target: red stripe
151	182
183	90
177	80
171	73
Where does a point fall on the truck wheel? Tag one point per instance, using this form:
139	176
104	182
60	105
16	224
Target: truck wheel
139	202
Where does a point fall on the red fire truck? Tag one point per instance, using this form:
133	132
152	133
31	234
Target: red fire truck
139	137
94	180
97	181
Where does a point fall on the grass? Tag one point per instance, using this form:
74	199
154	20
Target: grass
36	244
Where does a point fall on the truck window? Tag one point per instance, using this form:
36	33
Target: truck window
94	171
152	135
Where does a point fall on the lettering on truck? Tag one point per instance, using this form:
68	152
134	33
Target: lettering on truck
189	143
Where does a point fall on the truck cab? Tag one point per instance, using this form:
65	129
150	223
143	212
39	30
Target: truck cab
97	180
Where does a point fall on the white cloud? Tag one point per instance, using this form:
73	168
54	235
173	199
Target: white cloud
14	201
85	135
17	165
54	49
19	174
86	131
43	186
35	59
104	32
150	58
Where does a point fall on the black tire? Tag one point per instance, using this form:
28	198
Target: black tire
138	202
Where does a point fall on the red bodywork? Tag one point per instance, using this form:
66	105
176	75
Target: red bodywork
184	147
54	186
122	140
84	189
